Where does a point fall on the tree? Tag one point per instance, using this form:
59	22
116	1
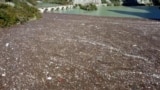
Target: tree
8	0
17	1
156	2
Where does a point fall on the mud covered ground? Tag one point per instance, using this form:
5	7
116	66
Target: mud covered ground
71	52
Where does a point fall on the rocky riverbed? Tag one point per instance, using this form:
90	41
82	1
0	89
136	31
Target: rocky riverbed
72	52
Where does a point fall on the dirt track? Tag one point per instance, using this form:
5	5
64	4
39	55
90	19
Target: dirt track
69	52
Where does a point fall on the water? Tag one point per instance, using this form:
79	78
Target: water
150	12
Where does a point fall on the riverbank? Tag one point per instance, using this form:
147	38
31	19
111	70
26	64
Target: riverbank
72	52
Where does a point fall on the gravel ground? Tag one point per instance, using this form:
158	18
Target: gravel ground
73	52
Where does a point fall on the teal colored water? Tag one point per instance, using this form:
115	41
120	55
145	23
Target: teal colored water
151	12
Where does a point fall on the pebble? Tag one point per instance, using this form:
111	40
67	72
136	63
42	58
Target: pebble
7	44
134	45
3	75
68	68
59	75
57	67
13	89
49	78
76	76
51	63
82	24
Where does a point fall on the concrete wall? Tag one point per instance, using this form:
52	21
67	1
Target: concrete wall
86	1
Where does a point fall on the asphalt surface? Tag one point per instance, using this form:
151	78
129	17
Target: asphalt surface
73	52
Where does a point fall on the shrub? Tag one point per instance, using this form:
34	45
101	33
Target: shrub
103	1
116	2
76	5
88	7
57	9
7	15
20	13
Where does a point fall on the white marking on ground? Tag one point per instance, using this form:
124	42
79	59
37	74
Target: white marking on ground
136	56
100	44
114	49
140	73
111	48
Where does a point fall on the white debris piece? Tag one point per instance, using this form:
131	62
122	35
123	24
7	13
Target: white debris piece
4	74
134	45
7	44
49	78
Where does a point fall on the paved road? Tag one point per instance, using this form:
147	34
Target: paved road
69	52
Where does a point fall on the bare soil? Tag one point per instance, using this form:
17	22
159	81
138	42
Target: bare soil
73	52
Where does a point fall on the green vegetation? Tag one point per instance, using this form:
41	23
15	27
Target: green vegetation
75	6
103	1
33	2
88	7
19	13
62	2
116	2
